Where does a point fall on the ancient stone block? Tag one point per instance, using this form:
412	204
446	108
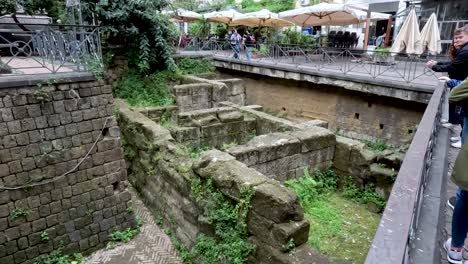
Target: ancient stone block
14	127
276	203
41	122
230	116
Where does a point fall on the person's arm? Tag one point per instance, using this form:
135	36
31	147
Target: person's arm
460	92
460	59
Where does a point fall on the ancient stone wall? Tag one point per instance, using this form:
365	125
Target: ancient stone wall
380	168
62	173
354	114
213	127
196	93
163	173
284	156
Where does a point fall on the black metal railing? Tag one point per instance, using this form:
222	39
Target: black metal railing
400	219
39	49
370	64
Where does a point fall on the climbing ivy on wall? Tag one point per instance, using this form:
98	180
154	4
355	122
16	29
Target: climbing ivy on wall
230	243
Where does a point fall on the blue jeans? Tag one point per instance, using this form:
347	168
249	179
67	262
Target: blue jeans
247	52
465	129
460	219
236	50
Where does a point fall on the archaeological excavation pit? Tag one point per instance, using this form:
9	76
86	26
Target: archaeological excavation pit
211	140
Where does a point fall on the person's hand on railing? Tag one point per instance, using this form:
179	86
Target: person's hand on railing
431	64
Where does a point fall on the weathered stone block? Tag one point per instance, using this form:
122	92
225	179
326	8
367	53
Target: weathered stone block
233	116
273	201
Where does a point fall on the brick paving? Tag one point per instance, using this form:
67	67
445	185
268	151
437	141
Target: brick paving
151	246
451	189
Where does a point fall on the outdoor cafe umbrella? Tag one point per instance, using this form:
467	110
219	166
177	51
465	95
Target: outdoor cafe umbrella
430	36
262	18
409	37
221	16
182	15
323	14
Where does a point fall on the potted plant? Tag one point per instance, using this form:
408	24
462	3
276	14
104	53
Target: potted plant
383	55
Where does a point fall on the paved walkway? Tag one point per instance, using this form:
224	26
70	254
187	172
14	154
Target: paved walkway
408	72
151	246
451	189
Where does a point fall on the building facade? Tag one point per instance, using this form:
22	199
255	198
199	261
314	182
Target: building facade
451	14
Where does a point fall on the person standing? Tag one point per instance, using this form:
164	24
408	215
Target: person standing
249	42
454	245
457	67
235	43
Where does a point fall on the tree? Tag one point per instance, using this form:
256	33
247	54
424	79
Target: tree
51	7
142	25
191	5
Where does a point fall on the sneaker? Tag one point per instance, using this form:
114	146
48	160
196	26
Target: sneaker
457	144
453	256
454	139
447	125
451	202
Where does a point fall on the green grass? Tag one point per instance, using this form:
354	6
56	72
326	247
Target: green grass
195	66
378	145
341	227
153	89
57	257
150	90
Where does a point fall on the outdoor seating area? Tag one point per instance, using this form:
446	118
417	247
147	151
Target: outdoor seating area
342	39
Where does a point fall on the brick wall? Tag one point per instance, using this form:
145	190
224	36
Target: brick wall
45	131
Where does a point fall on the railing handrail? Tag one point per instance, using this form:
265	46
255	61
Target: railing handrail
51	50
391	66
50	25
400	218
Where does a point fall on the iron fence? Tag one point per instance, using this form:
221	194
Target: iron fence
400	219
381	65
50	49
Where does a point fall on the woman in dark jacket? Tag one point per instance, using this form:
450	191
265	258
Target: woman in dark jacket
457	70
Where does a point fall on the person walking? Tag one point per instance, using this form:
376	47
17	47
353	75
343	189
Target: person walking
454	245
235	43
249	41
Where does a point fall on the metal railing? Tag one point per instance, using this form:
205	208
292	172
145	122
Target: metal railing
39	49
375	65
400	219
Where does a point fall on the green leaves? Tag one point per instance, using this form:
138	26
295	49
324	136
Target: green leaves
195	66
230	244
140	90
140	24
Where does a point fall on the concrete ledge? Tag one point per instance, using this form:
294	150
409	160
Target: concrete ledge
57	78
390	88
426	246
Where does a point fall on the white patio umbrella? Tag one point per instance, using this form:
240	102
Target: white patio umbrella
430	36
375	16
323	14
409	37
225	17
183	15
262	18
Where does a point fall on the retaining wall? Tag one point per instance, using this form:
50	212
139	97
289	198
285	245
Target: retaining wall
46	174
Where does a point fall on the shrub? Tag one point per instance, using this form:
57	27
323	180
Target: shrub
150	90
